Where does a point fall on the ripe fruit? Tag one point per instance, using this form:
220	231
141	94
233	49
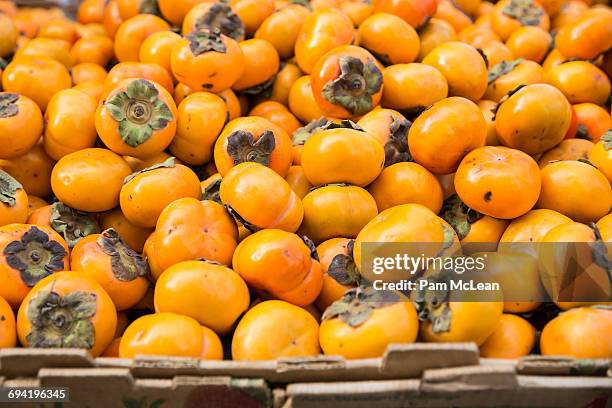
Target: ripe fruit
19	115
513	338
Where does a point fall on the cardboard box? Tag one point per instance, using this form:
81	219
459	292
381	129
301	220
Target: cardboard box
413	375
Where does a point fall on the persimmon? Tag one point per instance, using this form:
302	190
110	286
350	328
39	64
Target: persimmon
342	155
580	81
522	122
531	43
8	35
434	33
19	115
67	309
448	11
301	135
90	11
487	109
59	29
261	63
214	15
261	198
573	273
442	135
108	260
463	67
412	88
533	226
601	156
414	12
37	78
347	82
498	181
478	35
13	201
138	118
569	13
281	28
302	102
357	10
175	11
298	182
58	50
508	75
252	12
513	338
133	235
142	70
581	333
132	32
593	121
72	225
170	334
146	193
569	149
112	18
137	164
575	189
287	75
201	118
296	332
510	15
234	108
339	270
96	50
8	326
88	72
190	229
391	129
389	38
588	36
322	31
157	48
212	294
336	211
496	52
69	120
278	114
34	203
91	88
207	60
365	321
89	179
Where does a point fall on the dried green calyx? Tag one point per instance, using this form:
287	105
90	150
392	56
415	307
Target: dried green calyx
211	191
8	104
62	322
525	11
166	164
220	16
126	263
343	268
396	148
301	135
35	256
433	304
356	306
607	139
206	40
72	224
242	147
458	215
149	7
354	88
139	112
8	188
503	68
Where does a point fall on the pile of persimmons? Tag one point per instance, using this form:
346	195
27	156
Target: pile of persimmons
197	178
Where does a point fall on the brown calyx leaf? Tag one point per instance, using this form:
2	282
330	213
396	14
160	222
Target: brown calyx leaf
459	215
8	188
221	17
72	224
242	147
396	148
126	263
8	104
357	304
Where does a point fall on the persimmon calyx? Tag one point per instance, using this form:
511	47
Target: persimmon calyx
240	219
433	305
607	139
396	148
343	124
313	248
139	112
35	256
166	164
72	224
149	7
459	216
600	252
357	304
211	191
220	16
301	135
503	68
8	188
8	105
343	268
205	41
126	263
242	147
525	11
355	86
62	322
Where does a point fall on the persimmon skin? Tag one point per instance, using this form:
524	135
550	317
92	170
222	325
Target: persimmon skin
132	32
8	327
513	338
580	82
388	35
602	159
498	181
414	12
569	149
27	123
588	36
434	139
